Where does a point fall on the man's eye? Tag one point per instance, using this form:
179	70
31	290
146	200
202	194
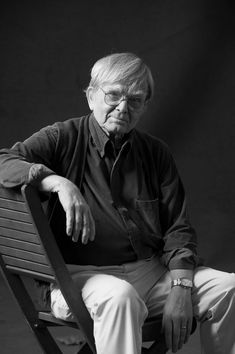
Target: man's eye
114	96
135	99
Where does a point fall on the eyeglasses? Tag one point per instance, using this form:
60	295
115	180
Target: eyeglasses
114	98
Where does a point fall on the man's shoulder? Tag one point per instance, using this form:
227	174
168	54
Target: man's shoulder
72	123
72	129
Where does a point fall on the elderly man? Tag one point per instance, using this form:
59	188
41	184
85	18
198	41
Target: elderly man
117	207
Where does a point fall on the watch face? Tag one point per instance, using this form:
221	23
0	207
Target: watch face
186	282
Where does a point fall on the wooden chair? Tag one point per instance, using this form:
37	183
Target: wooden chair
28	249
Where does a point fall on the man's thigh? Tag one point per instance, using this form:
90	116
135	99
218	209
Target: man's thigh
210	287
97	290
100	283
156	299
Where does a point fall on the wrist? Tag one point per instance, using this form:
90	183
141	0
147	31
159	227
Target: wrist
51	183
182	282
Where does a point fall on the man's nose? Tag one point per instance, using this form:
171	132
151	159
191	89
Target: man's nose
123	106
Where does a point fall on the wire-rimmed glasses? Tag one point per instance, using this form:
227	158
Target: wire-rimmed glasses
114	98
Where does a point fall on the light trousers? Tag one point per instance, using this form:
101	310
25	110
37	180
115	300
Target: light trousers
119	299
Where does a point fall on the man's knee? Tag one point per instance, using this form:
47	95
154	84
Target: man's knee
121	294
214	280
108	292
124	302
226	284
229	282
214	293
125	294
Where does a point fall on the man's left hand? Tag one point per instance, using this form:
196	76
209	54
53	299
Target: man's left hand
177	318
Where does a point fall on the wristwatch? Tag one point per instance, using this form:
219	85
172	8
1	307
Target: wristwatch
183	282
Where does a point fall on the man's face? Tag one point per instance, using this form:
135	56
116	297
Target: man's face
121	117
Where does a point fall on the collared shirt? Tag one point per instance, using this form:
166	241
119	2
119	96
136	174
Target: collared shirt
110	186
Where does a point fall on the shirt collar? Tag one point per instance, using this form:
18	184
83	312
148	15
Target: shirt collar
101	139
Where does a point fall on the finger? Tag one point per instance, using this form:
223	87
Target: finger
88	232
92	227
183	334
69	221
175	336
77	224
85	228
189	329
167	325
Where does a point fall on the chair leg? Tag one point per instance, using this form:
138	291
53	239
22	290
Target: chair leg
47	342
45	339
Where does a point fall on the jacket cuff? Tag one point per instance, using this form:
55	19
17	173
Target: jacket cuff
37	172
189	263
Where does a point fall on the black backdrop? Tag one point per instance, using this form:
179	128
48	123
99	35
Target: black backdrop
48	47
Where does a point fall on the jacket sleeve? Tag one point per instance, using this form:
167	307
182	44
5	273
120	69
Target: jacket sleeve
180	241
29	161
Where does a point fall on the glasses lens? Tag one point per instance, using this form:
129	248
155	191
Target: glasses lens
113	98
135	102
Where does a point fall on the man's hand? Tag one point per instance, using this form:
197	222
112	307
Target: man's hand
79	221
177	318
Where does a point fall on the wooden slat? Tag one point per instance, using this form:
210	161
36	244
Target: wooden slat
25	264
17	225
50	278
15	215
18	235
7	251
10	193
47	316
19	244
12	205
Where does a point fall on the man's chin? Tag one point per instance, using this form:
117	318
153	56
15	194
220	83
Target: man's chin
117	128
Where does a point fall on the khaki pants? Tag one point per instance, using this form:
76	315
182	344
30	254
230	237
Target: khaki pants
119	298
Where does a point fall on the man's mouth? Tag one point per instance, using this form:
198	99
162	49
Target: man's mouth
119	119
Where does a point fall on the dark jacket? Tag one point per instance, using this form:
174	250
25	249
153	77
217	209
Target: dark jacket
61	149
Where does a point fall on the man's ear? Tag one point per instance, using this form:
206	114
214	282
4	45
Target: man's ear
90	97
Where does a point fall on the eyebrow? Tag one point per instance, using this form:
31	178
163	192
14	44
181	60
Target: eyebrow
119	89
112	87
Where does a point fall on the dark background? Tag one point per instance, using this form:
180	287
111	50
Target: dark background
48	47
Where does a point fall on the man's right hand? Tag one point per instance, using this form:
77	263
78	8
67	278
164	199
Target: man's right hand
79	221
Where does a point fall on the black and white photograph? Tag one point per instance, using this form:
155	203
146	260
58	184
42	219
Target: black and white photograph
117	177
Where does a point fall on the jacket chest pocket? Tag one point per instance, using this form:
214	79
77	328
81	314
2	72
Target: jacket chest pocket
148	212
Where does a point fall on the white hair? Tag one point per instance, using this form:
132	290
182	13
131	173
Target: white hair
125	68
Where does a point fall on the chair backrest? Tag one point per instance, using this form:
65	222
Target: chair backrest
28	247
20	244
